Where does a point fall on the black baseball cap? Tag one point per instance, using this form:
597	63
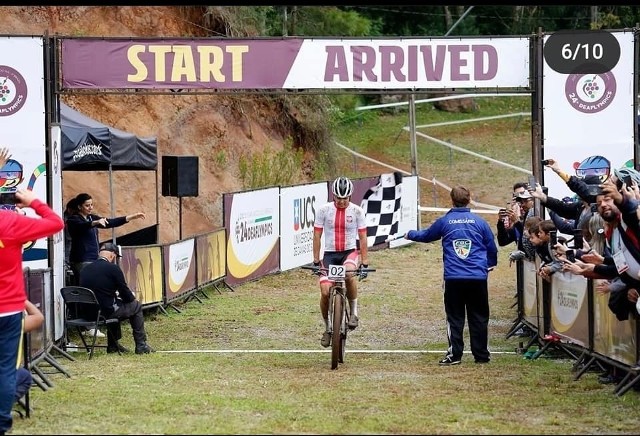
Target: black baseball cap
110	246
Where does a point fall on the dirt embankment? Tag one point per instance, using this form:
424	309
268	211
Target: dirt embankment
217	129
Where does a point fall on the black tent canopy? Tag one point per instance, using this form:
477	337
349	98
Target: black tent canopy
89	145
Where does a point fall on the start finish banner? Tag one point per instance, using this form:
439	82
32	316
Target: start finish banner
294	63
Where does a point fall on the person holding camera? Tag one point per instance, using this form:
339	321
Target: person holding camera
469	252
577	210
511	222
15	230
586	187
510	219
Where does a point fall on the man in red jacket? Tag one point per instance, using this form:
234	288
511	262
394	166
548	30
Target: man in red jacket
15	230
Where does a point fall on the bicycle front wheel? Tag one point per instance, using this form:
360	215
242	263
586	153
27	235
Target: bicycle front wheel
336	340
343	338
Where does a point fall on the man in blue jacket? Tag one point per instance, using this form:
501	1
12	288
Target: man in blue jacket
469	252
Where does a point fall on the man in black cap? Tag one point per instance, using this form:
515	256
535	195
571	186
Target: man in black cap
105	278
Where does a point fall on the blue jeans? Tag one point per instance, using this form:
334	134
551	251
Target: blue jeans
24	380
10	334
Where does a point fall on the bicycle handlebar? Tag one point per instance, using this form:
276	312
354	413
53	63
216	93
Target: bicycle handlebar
319	269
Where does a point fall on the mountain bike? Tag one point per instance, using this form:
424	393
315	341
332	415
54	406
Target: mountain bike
338	306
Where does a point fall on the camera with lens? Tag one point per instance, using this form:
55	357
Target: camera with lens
8	198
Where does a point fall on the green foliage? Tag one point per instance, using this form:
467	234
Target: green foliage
271	168
425	21
221	159
343	109
320	21
237	21
306	118
606	21
331	21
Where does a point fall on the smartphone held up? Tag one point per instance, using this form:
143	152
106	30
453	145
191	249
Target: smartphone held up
8	198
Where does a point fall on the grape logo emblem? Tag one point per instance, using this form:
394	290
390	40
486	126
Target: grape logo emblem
13	91
590	93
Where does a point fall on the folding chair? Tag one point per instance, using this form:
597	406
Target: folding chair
82	310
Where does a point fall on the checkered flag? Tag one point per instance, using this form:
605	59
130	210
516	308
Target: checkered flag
381	205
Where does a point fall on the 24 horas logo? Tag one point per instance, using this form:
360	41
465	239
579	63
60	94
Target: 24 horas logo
590	93
13	91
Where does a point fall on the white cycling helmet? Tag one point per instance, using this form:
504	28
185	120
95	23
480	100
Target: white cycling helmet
342	187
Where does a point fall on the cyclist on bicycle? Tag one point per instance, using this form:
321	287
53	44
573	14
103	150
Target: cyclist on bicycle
343	223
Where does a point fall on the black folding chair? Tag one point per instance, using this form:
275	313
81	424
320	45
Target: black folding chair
82	311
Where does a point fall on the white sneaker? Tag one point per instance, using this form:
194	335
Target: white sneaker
71	347
89	332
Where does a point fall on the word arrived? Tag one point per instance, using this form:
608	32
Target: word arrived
412	63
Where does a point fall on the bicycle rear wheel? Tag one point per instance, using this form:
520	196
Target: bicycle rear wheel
336	340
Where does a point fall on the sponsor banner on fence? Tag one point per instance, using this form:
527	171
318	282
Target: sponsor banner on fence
210	250
180	268
294	63
142	267
252	220
611	337
530	292
570	308
298	205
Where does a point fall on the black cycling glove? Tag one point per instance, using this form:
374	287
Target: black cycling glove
364	274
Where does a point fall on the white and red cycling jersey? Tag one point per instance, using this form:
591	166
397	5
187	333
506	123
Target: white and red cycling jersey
340	226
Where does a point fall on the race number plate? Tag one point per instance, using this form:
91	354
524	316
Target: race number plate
336	272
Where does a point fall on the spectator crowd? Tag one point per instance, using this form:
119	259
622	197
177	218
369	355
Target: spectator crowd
602	227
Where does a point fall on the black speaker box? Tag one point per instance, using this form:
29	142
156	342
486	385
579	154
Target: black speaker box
180	176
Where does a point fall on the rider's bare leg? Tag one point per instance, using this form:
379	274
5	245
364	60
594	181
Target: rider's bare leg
351	282
324	302
352	295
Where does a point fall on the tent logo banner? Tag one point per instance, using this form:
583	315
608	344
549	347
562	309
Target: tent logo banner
13	91
89	148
